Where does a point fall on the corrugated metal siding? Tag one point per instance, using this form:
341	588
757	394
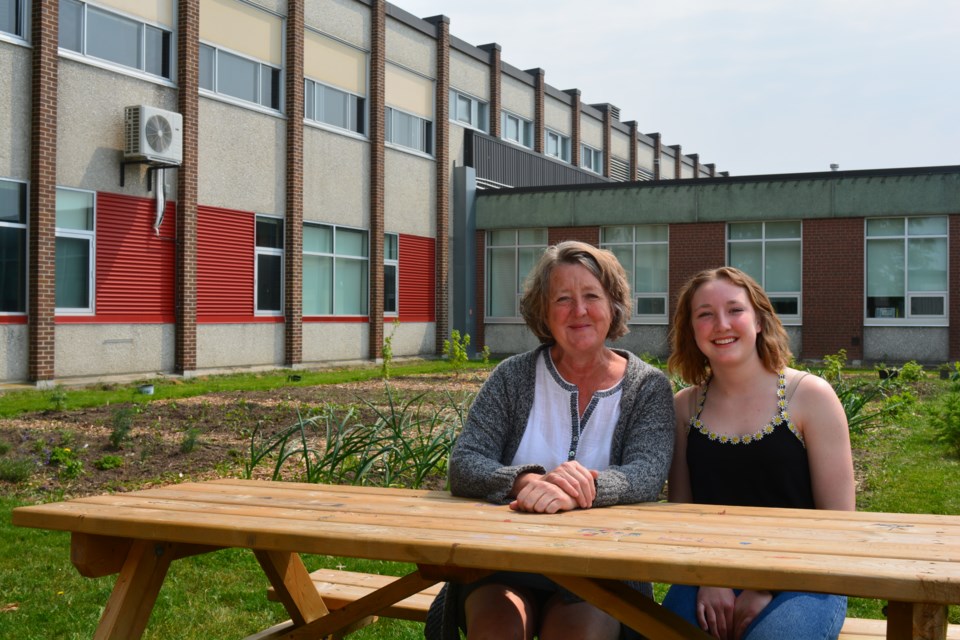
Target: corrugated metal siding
508	164
225	248
135	266
417	279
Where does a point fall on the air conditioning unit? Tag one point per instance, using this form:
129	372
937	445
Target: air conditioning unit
153	135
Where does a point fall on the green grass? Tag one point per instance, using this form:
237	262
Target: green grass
222	595
14	403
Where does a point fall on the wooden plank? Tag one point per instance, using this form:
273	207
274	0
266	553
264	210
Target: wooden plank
292	585
98	556
914	621
135	592
631	608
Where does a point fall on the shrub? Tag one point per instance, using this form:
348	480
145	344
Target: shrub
455	349
912	372
387	351
945	420
67	463
122	424
15	469
108	462
190	440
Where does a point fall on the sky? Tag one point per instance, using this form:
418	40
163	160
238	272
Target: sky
753	86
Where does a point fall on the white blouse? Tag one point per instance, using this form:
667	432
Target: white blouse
556	432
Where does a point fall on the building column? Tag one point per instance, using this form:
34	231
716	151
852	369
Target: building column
188	102
539	122
696	164
574	126
42	217
657	154
607	142
378	62
442	155
495	87
634	158
293	233
677	162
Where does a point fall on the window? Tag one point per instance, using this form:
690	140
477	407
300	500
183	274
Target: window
408	130
95	32
239	77
333	106
558	145
13	247
511	254
269	265
517	130
391	273
334	270
469	111
75	251
591	159
13	17
643	250
770	252
907	268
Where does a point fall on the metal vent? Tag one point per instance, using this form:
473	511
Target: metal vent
619	170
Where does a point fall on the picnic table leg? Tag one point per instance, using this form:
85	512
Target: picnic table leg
293	585
128	609
916	621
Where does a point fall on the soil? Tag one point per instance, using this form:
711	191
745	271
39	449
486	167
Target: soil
203	437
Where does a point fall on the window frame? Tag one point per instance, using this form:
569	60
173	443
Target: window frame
517	245
789	319
635	247
168	44
524	130
21	23
334	257
24	228
358	107
563	145
479	116
427	135
909	318
217	93
263	250
395	263
90	236
591	159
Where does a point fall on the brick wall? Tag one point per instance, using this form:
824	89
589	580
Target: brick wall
443	182
43	191
378	47
590	235
495	87
293	238
634	157
538	116
833	281
574	127
657	154
188	79
693	248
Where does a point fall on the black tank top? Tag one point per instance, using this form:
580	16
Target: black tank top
768	468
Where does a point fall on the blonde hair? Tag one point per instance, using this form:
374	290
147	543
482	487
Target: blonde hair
601	263
686	359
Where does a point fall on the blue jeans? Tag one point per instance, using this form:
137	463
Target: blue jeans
791	614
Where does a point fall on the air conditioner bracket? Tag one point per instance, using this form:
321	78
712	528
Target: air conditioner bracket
153	166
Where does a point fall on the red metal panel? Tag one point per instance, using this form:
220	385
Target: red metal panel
135	265
225	248
417	279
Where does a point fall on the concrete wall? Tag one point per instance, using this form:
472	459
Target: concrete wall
335	341
509	338
336	178
411	48
13	352
469	75
591	132
556	115
517	97
14	111
900	344
108	349
218	345
410	187
619	144
344	19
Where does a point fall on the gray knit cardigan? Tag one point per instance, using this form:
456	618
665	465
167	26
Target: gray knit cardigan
480	463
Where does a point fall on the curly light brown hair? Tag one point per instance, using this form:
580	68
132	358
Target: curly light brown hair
686	359
601	263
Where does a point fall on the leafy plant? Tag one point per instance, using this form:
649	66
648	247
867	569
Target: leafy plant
455	350
58	398
107	462
4	448
190	440
484	355
945	420
15	469
912	372
68	464
386	352
122	421
859	401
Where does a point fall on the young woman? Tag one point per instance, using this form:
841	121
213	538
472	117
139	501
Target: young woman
752	431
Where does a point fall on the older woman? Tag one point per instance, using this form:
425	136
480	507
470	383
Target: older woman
572	424
752	431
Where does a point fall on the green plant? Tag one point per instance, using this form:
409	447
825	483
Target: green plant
4	448
485	355
15	469
122	421
386	352
945	420
833	365
68	464
58	398
912	372
865	404
108	462
190	440
455	350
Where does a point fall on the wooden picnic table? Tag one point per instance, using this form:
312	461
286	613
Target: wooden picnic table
912	561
